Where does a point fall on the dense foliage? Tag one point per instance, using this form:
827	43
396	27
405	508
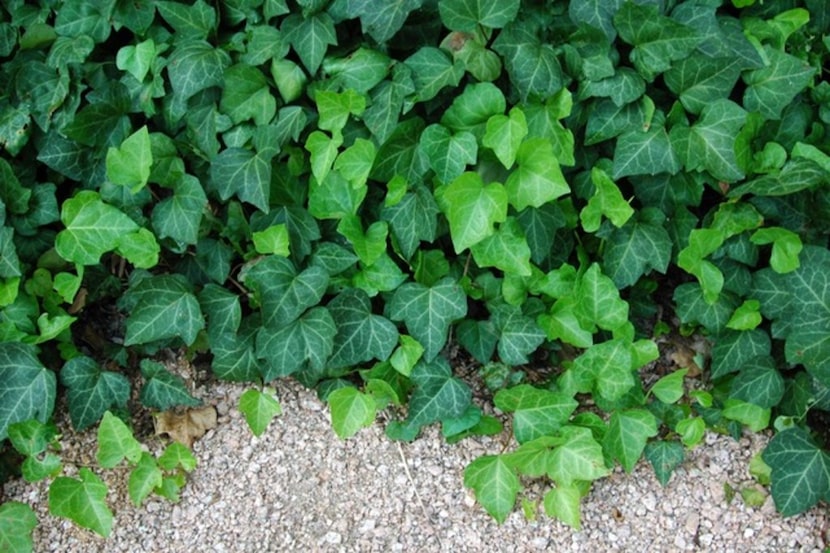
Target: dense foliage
330	189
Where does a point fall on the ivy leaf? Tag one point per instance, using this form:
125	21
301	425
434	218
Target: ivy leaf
596	13
438	395
244	173
495	484
162	389
472	208
428	312
664	456
479	338
195	21
164	308
246	95
194	66
606	368
413	219
448	154
607	200
532	65
381	117
310	37
628	432
355	162
733	349
27	388
467	15
91	391
538	179
471	109
361	70
700	80
772	88
562	502
432	70
709	144
786	245
642	244
273	240
323	150
129	164
282	292
645	152
381	19
286	350
351	410
519	334
578	457
598	300
693	307
258	408
507	250
536	412
335	108
369	245
361	335
17	522
82	500
759	382
116	442
179	216
800	471
504	135
144	478
669	388
400	154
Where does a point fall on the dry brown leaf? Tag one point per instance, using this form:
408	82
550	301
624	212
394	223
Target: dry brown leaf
186	427
684	358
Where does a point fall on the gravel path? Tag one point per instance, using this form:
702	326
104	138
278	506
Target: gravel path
299	488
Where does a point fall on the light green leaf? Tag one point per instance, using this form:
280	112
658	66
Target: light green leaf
361	335
137	59
259	408
495	484
536	412
507	250
606	368
562	502
786	245
116	442
472	208
368	245
273	240
407	355
355	162
361	70
91	391
538	179
335	108
754	417
691	431
144	478
607	200
578	457
177	455
628	432
323	150
448	154
83	501
504	135
17	522
746	317
598	300
351	410
335	197
428	312
471	109
669	388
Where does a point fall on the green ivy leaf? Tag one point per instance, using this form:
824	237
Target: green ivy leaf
91	391
164	307
669	388
536	412
144	478
495	484
17	522
758	382
438	395
471	109
538	179
246	95
180	216
507	250
578	457
771	88
532	65
432	70
606	368
642	244
273	240
382	19
413	220
129	164
754	417
194	66
800	471
82	500
116	442
306	341
504	135
472	208
664	456
428	312
259	408
644	152
467	15
361	70
244	173
162	389
355	162
734	349
628	432
310	37
692	307
177	455
519	335
361	335
701	80
448	154
607	200
562	502
194	21
368	245
388	98
27	388
598	301
351	410
786	245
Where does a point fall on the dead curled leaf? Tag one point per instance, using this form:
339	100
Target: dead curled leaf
186	427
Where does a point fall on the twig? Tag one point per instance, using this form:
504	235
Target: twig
418	496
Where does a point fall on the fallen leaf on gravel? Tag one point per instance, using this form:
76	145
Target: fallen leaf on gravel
188	426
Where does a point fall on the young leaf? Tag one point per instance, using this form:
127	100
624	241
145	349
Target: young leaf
669	388
664	456
598	300
428	312
162	389
27	388
369	245
628	432
83	501
538	179
129	164
17	521
562	502
472	208
607	200
259	408
273	240
92	391
177	455
116	442
335	108
505	134
448	154
361	335
351	410
536	412
800	471
579	457
607	367
144	478
496	485
691	431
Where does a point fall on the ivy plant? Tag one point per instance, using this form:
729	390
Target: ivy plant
337	191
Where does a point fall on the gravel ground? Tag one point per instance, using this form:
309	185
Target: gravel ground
299	488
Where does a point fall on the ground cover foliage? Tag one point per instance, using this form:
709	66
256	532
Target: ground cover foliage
331	189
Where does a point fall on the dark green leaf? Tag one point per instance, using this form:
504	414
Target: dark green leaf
242	172
519	335
361	335
636	248
307	341
162	389
179	216
701	80
195	21
27	388
800	471
195	66
467	15
413	219
432	70
310	37
758	382
664	456
92	391
770	89
164	308
438	395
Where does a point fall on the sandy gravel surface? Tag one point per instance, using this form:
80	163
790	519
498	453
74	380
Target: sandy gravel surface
299	488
